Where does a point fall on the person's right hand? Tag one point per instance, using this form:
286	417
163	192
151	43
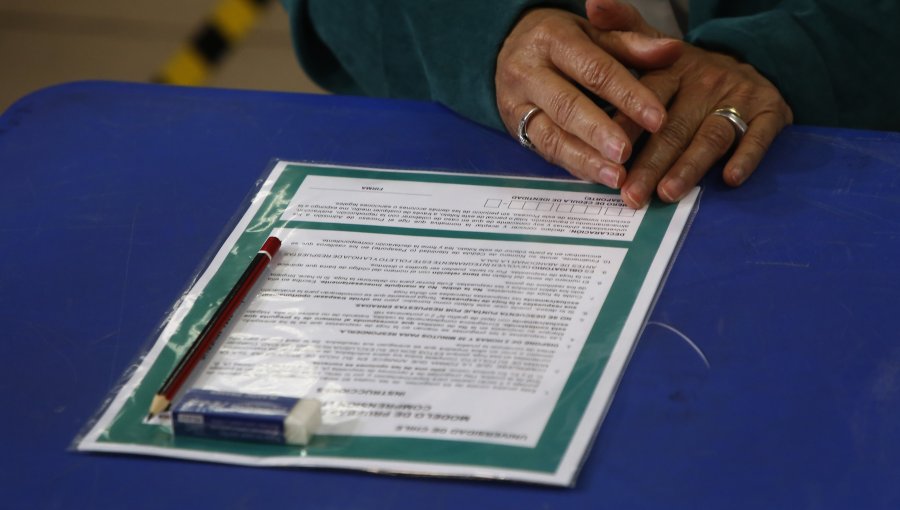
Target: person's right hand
700	82
544	60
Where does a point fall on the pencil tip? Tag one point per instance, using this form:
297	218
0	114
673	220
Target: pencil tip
159	404
150	416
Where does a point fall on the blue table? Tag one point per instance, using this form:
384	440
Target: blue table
112	193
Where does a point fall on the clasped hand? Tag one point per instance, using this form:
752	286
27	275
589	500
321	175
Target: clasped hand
553	59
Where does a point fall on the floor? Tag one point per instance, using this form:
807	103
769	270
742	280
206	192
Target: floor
45	42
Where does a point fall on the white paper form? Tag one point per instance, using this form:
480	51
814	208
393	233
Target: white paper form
471	208
419	337
449	324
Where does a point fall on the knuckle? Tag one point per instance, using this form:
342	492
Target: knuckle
506	72
713	79
689	168
514	70
718	136
596	73
592	132
629	99
564	106
505	106
767	95
578	164
754	144
550	141
676	134
746	70
747	93
781	110
545	33
654	167
787	114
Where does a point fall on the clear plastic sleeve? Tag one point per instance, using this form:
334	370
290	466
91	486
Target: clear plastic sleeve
448	324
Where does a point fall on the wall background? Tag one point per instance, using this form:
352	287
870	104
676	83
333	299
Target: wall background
45	42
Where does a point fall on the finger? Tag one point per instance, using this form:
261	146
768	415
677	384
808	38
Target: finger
752	147
664	85
572	111
636	50
595	69
562	148
613	15
663	149
713	139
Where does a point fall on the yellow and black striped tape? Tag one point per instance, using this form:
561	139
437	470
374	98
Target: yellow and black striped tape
228	24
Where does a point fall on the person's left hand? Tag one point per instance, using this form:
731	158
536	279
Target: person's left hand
550	64
676	157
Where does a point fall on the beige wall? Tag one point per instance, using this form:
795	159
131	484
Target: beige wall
45	42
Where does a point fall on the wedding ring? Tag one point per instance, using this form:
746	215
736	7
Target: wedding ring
523	131
734	117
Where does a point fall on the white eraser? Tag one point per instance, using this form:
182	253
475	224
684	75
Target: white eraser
243	417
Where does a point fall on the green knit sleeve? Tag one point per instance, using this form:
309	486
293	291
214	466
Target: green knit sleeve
834	61
419	49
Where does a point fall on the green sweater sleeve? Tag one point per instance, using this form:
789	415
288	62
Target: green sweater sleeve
419	49
834	61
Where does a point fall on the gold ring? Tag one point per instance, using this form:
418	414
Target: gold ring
733	116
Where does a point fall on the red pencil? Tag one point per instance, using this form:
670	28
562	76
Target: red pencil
213	328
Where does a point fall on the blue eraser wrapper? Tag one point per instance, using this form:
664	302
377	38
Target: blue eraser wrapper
243	417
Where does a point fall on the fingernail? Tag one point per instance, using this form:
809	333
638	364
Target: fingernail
614	150
665	41
650	44
609	177
653	119
738	176
673	189
636	194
